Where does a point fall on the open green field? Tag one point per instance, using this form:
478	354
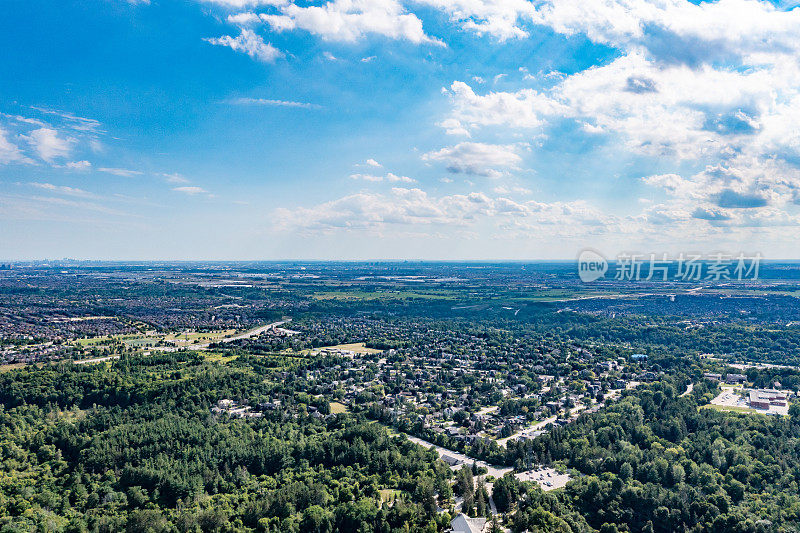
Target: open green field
12	366
731	408
216	357
207	336
139	340
385	295
338	408
357	347
106	339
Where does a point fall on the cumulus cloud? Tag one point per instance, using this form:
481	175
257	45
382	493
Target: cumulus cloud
526	108
351	20
732	199
710	214
244	19
249	43
79	165
502	19
514	189
242	4
453	126
713	86
389	177
675	111
477	158
678	31
414	207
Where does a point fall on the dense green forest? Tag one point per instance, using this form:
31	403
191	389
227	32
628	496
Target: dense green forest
655	462
134	446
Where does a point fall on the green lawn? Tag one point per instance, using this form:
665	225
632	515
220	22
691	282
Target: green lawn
731	408
338	408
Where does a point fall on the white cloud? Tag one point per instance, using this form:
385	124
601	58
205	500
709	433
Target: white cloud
738	120
477	158
122	172
242	4
351	20
79	165
372	163
9	152
374	212
72	121
250	43
389	177
175	178
190	190
244	19
48	144
453	126
502	189
522	109
273	103
499	18
63	189
677	30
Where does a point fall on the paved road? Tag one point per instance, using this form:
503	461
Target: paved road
496	471
253	332
540	425
246	335
530	429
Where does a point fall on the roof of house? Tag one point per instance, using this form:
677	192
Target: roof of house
464	524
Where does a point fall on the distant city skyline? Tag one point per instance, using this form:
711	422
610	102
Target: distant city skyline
391	129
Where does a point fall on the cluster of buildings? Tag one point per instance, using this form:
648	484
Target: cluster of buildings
467	399
235	409
769	401
767	398
730	378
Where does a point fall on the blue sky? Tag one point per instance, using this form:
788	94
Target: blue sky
382	129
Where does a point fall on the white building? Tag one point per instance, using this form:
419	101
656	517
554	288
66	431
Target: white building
464	524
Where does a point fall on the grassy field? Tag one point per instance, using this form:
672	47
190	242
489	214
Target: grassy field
216	357
338	408
138	340
356	347
384	295
208	336
12	366
94	341
731	408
